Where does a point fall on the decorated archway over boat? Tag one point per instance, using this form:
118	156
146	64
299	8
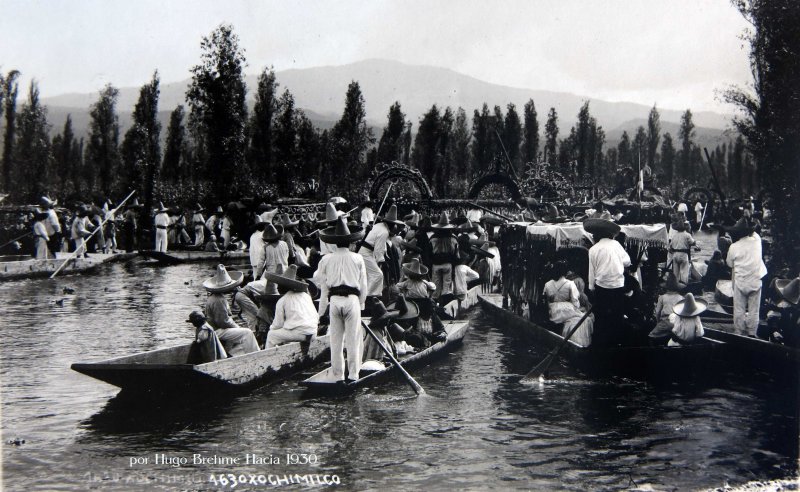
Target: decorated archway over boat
403	176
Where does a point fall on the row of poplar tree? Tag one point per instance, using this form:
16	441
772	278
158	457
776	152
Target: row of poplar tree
219	150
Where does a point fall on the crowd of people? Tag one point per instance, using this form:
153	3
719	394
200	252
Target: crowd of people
400	271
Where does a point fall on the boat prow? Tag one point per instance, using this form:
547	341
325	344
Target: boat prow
168	372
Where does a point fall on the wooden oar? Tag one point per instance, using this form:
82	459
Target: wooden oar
414	385
16	239
542	367
82	247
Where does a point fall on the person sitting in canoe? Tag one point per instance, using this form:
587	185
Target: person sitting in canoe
395	325
666	301
206	347
237	340
563	302
379	323
212	245
686	324
717	270
296	318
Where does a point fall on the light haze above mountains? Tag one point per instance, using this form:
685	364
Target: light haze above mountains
320	91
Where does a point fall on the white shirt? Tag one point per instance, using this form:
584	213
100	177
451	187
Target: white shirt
744	257
162	219
698	207
295	311
342	267
607	262
377	238
51	223
80	228
326	248
367	216
474	215
257	254
682	207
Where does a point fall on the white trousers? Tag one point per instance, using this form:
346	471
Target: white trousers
238	341
161	240
199	235
374	276
346	333
680	267
746	306
279	336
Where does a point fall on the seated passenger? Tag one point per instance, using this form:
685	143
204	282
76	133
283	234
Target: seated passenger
564	307
717	270
237	340
686	324
666	301
296	318
212	244
206	347
415	286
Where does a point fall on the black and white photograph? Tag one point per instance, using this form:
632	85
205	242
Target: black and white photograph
400	245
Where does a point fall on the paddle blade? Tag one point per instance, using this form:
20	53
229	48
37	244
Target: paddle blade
542	367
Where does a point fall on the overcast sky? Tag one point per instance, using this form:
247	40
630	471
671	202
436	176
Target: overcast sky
674	53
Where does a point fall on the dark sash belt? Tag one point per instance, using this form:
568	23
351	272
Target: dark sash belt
161	227
344	291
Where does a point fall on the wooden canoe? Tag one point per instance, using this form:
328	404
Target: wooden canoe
723	294
754	354
189	256
30	268
166	371
643	362
323	381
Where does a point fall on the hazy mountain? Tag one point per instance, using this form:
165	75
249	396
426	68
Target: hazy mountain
416	87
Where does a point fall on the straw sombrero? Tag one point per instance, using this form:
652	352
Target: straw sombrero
601	226
466	227
443	224
405	308
161	207
341	233
272	233
286	222
46	202
482	251
789	289
134	204
690	306
742	227
415	269
331	215
288	279
390	217
223	281
380	313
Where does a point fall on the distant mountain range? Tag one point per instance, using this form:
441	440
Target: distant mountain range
320	91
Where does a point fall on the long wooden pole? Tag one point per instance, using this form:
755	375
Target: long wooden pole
411	381
541	367
78	249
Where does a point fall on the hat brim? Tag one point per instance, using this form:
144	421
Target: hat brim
601	226
389	314
329	236
410	247
437	227
411	313
700	306
481	252
423	271
781	285
295	285
278	234
236	279
390	221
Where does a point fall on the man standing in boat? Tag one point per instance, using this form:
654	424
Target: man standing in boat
198	224
162	222
51	225
373	250
607	263
748	268
342	278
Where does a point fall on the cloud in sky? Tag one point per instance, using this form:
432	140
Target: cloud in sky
674	53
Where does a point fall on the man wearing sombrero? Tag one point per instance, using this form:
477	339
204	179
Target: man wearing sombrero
237	340
276	254
295	315
444	254
80	229
40	236
342	279
162	222
130	224
748	268
607	263
51	224
373	249
686	324
199	225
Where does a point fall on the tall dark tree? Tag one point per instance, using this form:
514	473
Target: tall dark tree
460	150
581	142
10	91
624	150
141	147
686	134
771	122
175	167
309	147
261	139
445	171
425	153
736	168
639	148
551	136
102	152
390	146
351	137
512	134
530	142
216	97
285	131
66	158
668	159
653	136
482	139
32	160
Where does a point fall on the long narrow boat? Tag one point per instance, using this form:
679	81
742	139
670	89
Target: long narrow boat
168	372
644	362
25	267
323	381
189	256
754	354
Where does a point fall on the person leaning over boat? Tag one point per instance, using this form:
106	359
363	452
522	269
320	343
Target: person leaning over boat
40	236
52	225
296	319
748	268
373	250
607	262
563	304
342	278
162	222
686	324
237	340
